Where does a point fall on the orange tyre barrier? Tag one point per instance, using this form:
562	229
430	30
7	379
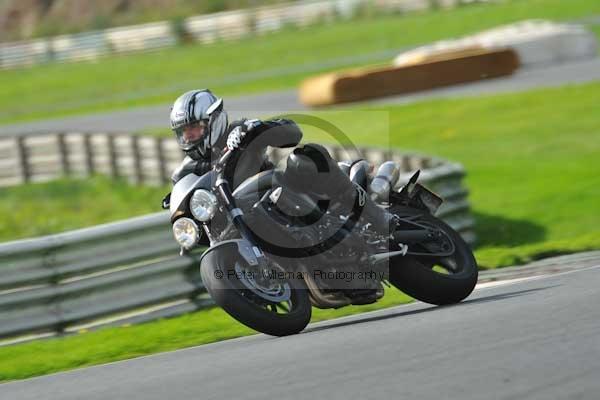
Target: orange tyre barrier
367	83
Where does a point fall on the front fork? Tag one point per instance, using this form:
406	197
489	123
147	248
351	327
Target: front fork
249	250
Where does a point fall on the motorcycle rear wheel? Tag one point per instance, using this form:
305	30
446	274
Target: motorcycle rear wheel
436	280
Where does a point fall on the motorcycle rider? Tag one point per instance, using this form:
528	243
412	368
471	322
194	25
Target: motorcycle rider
202	129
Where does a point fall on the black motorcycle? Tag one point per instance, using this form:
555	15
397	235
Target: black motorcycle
277	248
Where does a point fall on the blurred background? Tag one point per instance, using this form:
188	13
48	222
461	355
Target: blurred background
506	93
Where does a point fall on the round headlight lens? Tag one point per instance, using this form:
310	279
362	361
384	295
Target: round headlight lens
203	205
186	232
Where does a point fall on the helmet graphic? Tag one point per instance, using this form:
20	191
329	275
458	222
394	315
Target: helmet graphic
199	122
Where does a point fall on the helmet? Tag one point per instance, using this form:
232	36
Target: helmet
198	109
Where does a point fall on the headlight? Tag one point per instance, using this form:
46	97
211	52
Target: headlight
186	233
203	205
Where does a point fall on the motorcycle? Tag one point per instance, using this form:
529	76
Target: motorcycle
275	251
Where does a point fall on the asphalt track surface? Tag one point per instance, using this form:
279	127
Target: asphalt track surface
286	101
537	338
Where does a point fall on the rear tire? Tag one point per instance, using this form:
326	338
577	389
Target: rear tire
415	276
243	305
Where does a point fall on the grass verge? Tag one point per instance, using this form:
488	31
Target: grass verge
129	341
275	61
65	204
533	162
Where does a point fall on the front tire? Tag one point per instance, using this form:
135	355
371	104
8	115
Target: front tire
419	276
218	271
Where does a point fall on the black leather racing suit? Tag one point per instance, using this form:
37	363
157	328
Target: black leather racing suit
276	133
284	133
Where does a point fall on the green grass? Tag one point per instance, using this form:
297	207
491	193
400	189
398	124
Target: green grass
595	29
54	90
124	342
533	160
51	207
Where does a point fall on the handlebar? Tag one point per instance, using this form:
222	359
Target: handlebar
222	186
227	153
222	162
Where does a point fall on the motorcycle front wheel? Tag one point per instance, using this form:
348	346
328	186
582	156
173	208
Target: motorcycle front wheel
436	280
260	300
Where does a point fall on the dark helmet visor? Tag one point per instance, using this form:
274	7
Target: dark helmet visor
192	134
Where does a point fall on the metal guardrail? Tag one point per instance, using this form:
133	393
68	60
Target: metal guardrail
204	29
140	159
130	271
36	158
50	283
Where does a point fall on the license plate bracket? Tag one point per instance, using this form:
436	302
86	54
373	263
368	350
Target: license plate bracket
421	197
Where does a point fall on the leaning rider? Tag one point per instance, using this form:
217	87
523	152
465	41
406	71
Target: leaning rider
202	129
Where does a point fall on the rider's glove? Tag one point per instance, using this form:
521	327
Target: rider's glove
234	140
239	133
166	202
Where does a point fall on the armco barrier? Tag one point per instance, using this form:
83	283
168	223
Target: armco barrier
367	83
45	157
51	283
131	271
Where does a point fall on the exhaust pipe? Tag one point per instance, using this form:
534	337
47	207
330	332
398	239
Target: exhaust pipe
384	181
